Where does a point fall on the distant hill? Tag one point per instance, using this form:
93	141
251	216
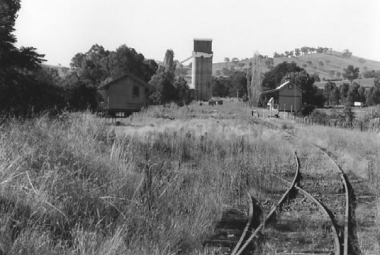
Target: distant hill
326	65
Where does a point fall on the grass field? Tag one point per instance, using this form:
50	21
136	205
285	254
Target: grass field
155	184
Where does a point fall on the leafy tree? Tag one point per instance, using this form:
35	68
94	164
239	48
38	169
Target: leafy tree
347	53
220	86
335	96
21	89
305	50
327	91
297	51
183	91
361	92
344	88
351	73
276	55
238	81
80	94
273	78
97	64
371	74
319	50
374	98
235	60
353	94
226	60
166	88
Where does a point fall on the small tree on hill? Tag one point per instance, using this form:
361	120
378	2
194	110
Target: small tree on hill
351	73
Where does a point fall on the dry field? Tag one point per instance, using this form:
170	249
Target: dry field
162	180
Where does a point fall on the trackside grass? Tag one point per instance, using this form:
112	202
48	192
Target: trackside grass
78	185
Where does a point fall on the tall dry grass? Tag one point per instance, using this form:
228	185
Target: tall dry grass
358	155
72	185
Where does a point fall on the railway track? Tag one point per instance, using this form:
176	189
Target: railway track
343	237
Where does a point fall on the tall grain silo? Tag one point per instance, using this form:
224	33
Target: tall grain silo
202	69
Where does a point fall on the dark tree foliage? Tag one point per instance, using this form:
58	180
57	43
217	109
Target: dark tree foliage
344	88
371	74
274	77
353	94
233	85
166	87
351	73
98	64
220	86
238	81
23	88
80	94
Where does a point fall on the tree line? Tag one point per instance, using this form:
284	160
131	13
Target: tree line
305	50
28	87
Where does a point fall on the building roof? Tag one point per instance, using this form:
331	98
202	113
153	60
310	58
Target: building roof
129	75
202	39
281	87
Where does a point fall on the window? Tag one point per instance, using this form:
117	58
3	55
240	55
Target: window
136	91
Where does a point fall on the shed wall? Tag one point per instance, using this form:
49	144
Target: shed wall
120	95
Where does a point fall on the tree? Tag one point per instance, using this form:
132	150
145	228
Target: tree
238	83
327	91
319	50
226	60
235	60
305	50
220	86
166	88
335	96
347	53
297	51
361	92
374	98
273	78
353	94
20	91
351	73
344	88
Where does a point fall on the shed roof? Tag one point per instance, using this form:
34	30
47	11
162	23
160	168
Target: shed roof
129	75
281	87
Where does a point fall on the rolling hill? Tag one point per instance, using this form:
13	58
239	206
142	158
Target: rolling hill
327	66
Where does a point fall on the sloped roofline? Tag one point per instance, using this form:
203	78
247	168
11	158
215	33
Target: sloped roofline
281	87
129	75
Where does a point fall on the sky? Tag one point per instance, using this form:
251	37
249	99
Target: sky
61	28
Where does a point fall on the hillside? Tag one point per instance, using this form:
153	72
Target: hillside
327	66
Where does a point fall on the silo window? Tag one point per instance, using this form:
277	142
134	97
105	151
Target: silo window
136	91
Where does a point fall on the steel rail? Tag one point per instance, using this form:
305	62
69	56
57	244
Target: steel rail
344	179
238	250
247	226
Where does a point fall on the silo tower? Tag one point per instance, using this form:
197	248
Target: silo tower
202	69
